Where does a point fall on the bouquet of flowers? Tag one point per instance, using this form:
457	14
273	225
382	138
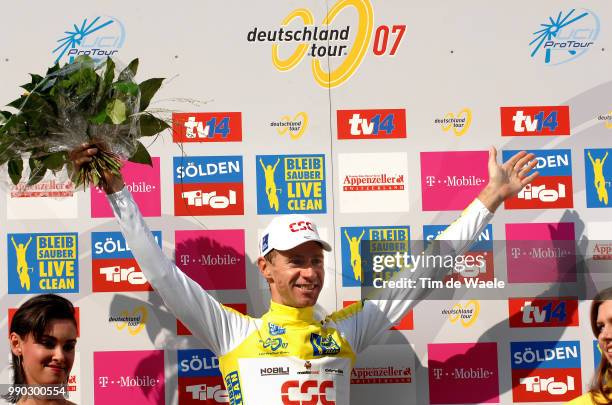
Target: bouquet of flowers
82	102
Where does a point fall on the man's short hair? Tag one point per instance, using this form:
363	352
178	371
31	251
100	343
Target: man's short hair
270	255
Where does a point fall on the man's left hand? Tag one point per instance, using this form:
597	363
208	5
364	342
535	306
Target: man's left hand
507	179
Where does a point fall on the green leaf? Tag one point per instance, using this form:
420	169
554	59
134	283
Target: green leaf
109	73
34	82
54	161
4	115
141	155
99	119
104	85
15	168
37	171
116	111
148	88
151	125
126	87
17	103
130	71
53	69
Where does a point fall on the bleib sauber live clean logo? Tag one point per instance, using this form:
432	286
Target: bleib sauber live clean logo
42	263
290	184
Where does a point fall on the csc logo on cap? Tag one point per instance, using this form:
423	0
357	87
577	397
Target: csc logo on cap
301	226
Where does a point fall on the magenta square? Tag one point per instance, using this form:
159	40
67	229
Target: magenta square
129	377
463	373
144	184
451	180
215	259
541	252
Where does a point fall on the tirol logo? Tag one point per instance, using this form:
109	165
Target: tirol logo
373	182
134	321
207	127
543	312
463	373
199	378
552	188
598	177
182	330
98	37
143	181
459	122
323	345
463	314
481	267
545	371
565	36
348	43
295	126
208	185
289	184
357	253
548	247
406	323
371	124
215	259
123	374
42	263
113	265
451	180
535	121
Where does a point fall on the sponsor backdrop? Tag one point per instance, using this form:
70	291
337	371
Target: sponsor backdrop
373	118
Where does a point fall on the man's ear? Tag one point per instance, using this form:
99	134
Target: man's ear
264	268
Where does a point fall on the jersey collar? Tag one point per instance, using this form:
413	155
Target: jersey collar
286	313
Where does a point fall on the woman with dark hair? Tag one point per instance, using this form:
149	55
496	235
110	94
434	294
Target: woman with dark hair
601	323
42	337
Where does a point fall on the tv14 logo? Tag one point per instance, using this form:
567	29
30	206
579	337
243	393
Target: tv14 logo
545	371
114	268
535	121
552	188
207	127
543	312
371	124
199	378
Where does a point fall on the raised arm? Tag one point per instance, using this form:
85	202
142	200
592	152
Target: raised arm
367	320
217	326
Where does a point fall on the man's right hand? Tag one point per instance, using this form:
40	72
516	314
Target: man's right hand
83	155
